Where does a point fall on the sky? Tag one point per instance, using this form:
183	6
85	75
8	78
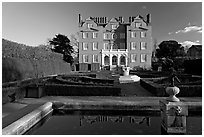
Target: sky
33	23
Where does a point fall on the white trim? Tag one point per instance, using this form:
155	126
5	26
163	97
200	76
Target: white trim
143	58
85	46
143	45
133	58
94	35
133	45
95	45
94	57
84	58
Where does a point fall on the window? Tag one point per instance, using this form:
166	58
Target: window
143	57
95	45
114	26
85	58
133	45
85	46
122	35
95	58
113	35
133	34
115	46
143	45
105	35
95	34
133	57
143	34
122	45
106	46
85	35
89	25
114	60
138	24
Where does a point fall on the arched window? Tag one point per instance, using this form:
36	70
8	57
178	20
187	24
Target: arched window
106	60
122	60
114	60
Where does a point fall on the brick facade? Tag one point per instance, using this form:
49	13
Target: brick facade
111	43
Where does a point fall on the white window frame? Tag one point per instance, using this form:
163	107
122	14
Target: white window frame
133	58
85	58
142	34
84	35
138	24
133	45
133	34
113	26
89	25
143	58
143	45
85	46
106	45
95	58
94	35
105	35
95	45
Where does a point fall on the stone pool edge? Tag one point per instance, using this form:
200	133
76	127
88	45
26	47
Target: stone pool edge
23	124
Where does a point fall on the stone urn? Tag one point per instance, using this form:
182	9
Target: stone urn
126	71
172	92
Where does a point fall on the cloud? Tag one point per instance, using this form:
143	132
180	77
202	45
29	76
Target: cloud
188	43
190	29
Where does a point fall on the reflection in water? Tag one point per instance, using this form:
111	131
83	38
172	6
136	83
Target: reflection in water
107	123
115	119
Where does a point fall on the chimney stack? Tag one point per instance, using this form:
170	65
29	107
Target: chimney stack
80	20
121	19
130	19
148	18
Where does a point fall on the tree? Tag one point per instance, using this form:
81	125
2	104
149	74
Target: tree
167	53
170	49
61	44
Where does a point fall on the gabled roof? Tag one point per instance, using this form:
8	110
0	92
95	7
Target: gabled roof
113	20
139	17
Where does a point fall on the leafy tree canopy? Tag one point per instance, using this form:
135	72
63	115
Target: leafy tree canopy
61	44
170	49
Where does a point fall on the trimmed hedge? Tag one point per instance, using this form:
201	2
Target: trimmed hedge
159	89
79	90
193	67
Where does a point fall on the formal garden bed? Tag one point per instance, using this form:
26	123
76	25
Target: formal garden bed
73	84
190	86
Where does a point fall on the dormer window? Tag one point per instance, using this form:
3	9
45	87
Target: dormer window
114	26
138	24
89	25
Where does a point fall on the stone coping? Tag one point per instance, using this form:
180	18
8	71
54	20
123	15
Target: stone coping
22	120
23	124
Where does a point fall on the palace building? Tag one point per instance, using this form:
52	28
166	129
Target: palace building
107	43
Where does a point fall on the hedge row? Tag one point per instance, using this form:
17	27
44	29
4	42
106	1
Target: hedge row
79	90
159	89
